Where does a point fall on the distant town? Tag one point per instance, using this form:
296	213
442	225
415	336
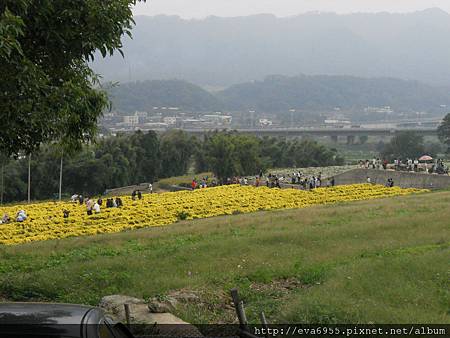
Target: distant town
165	118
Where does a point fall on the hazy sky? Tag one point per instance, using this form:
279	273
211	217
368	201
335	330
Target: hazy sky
203	8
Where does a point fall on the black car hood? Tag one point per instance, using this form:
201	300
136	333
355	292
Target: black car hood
42	313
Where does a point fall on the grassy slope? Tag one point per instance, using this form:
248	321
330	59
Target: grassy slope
377	261
186	179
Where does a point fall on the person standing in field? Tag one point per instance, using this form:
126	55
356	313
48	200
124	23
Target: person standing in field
390	183
369	180
319	181
277	183
5	219
311	183
21	216
96	208
89	206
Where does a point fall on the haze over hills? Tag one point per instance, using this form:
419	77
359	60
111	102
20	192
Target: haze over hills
280	93
219	52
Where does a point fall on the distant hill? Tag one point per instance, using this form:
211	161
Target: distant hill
281	93
219	52
143	96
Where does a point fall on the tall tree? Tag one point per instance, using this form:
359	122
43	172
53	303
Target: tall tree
148	156
444	131
404	145
3	162
48	91
220	151
177	148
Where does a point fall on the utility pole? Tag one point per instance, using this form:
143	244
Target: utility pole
29	178
252	118
60	176
292	111
3	183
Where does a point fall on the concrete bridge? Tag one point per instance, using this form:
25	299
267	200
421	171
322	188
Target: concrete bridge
351	134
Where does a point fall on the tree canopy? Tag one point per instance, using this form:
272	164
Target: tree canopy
404	145
444	131
229	154
128	159
48	91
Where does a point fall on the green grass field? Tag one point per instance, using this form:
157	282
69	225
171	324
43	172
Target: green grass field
378	261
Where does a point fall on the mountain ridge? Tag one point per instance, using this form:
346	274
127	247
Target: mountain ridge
219	52
278	93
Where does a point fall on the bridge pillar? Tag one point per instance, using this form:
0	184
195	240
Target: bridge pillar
334	138
350	139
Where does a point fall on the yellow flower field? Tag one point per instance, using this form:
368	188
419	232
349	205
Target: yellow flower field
45	220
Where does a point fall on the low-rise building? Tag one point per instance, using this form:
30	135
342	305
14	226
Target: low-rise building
131	120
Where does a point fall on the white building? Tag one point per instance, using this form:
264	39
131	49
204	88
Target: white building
142	114
131	120
170	120
265	122
220	120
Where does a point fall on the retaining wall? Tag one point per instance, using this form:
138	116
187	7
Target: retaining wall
401	179
126	190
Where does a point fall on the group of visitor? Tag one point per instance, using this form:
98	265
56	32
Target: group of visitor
389	183
94	206
21	216
375	163
438	167
114	202
235	180
274	181
408	164
205	182
297	178
135	194
306	182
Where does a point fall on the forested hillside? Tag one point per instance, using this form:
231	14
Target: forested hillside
143	96
281	93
